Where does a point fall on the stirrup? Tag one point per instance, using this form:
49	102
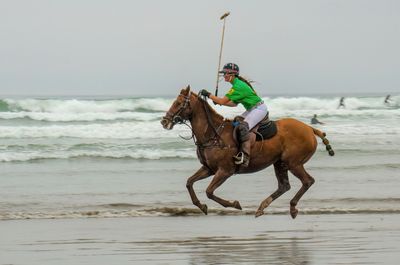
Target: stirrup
239	158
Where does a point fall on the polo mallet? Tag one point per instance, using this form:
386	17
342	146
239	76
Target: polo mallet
223	17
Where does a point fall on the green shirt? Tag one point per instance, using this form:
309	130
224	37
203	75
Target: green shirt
242	93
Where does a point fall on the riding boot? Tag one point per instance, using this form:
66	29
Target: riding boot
243	157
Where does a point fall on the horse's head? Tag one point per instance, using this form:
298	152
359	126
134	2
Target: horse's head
179	111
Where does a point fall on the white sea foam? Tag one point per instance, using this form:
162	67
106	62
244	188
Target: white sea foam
306	107
143	109
86	116
365	122
181	211
83	106
150	108
152	154
117	130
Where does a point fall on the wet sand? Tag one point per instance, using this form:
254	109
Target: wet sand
270	239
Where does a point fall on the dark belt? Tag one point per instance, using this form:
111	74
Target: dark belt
258	104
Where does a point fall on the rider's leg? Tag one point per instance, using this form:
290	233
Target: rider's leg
251	119
256	115
242	158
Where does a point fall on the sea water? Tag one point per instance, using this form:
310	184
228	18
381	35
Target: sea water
110	157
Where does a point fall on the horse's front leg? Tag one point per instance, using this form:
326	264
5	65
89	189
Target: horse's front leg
219	178
202	173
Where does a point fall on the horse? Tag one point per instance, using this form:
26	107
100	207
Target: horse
292	146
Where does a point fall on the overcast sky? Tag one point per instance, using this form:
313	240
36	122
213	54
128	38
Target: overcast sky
154	48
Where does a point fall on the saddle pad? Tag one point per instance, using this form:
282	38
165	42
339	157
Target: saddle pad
266	131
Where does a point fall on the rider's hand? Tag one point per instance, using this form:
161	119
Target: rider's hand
205	93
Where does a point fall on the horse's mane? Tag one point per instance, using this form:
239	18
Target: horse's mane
212	111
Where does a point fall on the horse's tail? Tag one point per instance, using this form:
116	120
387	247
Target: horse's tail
324	140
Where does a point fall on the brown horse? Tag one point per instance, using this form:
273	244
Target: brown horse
288	150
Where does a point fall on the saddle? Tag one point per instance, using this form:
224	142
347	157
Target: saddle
264	130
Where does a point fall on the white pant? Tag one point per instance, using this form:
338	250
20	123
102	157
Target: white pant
255	115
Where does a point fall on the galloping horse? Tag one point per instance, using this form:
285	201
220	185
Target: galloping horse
288	150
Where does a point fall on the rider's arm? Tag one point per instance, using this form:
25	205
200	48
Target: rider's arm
231	104
223	101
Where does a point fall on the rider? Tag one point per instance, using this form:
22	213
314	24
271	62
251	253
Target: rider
241	92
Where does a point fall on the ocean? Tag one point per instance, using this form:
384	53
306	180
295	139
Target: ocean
67	162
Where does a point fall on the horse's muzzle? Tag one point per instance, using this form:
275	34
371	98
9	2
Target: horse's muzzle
167	123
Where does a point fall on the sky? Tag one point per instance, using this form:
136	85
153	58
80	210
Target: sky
155	48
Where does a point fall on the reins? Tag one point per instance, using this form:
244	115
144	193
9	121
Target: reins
215	140
216	137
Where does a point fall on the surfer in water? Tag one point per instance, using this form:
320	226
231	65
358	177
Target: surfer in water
341	103
387	100
314	120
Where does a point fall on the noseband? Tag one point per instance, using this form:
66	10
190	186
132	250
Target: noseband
174	117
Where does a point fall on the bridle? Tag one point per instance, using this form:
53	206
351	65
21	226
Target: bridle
175	117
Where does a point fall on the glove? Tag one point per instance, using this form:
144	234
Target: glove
205	93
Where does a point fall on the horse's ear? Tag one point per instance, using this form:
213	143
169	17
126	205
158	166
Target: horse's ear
187	89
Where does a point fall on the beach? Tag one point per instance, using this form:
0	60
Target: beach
98	181
274	239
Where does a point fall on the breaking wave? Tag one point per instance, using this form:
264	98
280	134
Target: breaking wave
32	129
67	110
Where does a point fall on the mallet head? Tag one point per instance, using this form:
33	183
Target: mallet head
225	15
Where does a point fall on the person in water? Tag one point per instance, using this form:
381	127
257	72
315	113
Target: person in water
341	103
387	100
314	120
241	93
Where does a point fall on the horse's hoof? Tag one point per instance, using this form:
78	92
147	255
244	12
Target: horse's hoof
204	208
259	213
294	213
236	204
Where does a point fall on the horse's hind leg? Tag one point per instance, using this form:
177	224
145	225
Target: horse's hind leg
281	173
218	179
202	173
306	180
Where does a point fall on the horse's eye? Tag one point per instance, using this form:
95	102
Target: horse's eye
177	119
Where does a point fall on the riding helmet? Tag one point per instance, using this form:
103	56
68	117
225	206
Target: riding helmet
230	68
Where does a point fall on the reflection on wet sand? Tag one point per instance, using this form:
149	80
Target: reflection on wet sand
227	250
259	250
